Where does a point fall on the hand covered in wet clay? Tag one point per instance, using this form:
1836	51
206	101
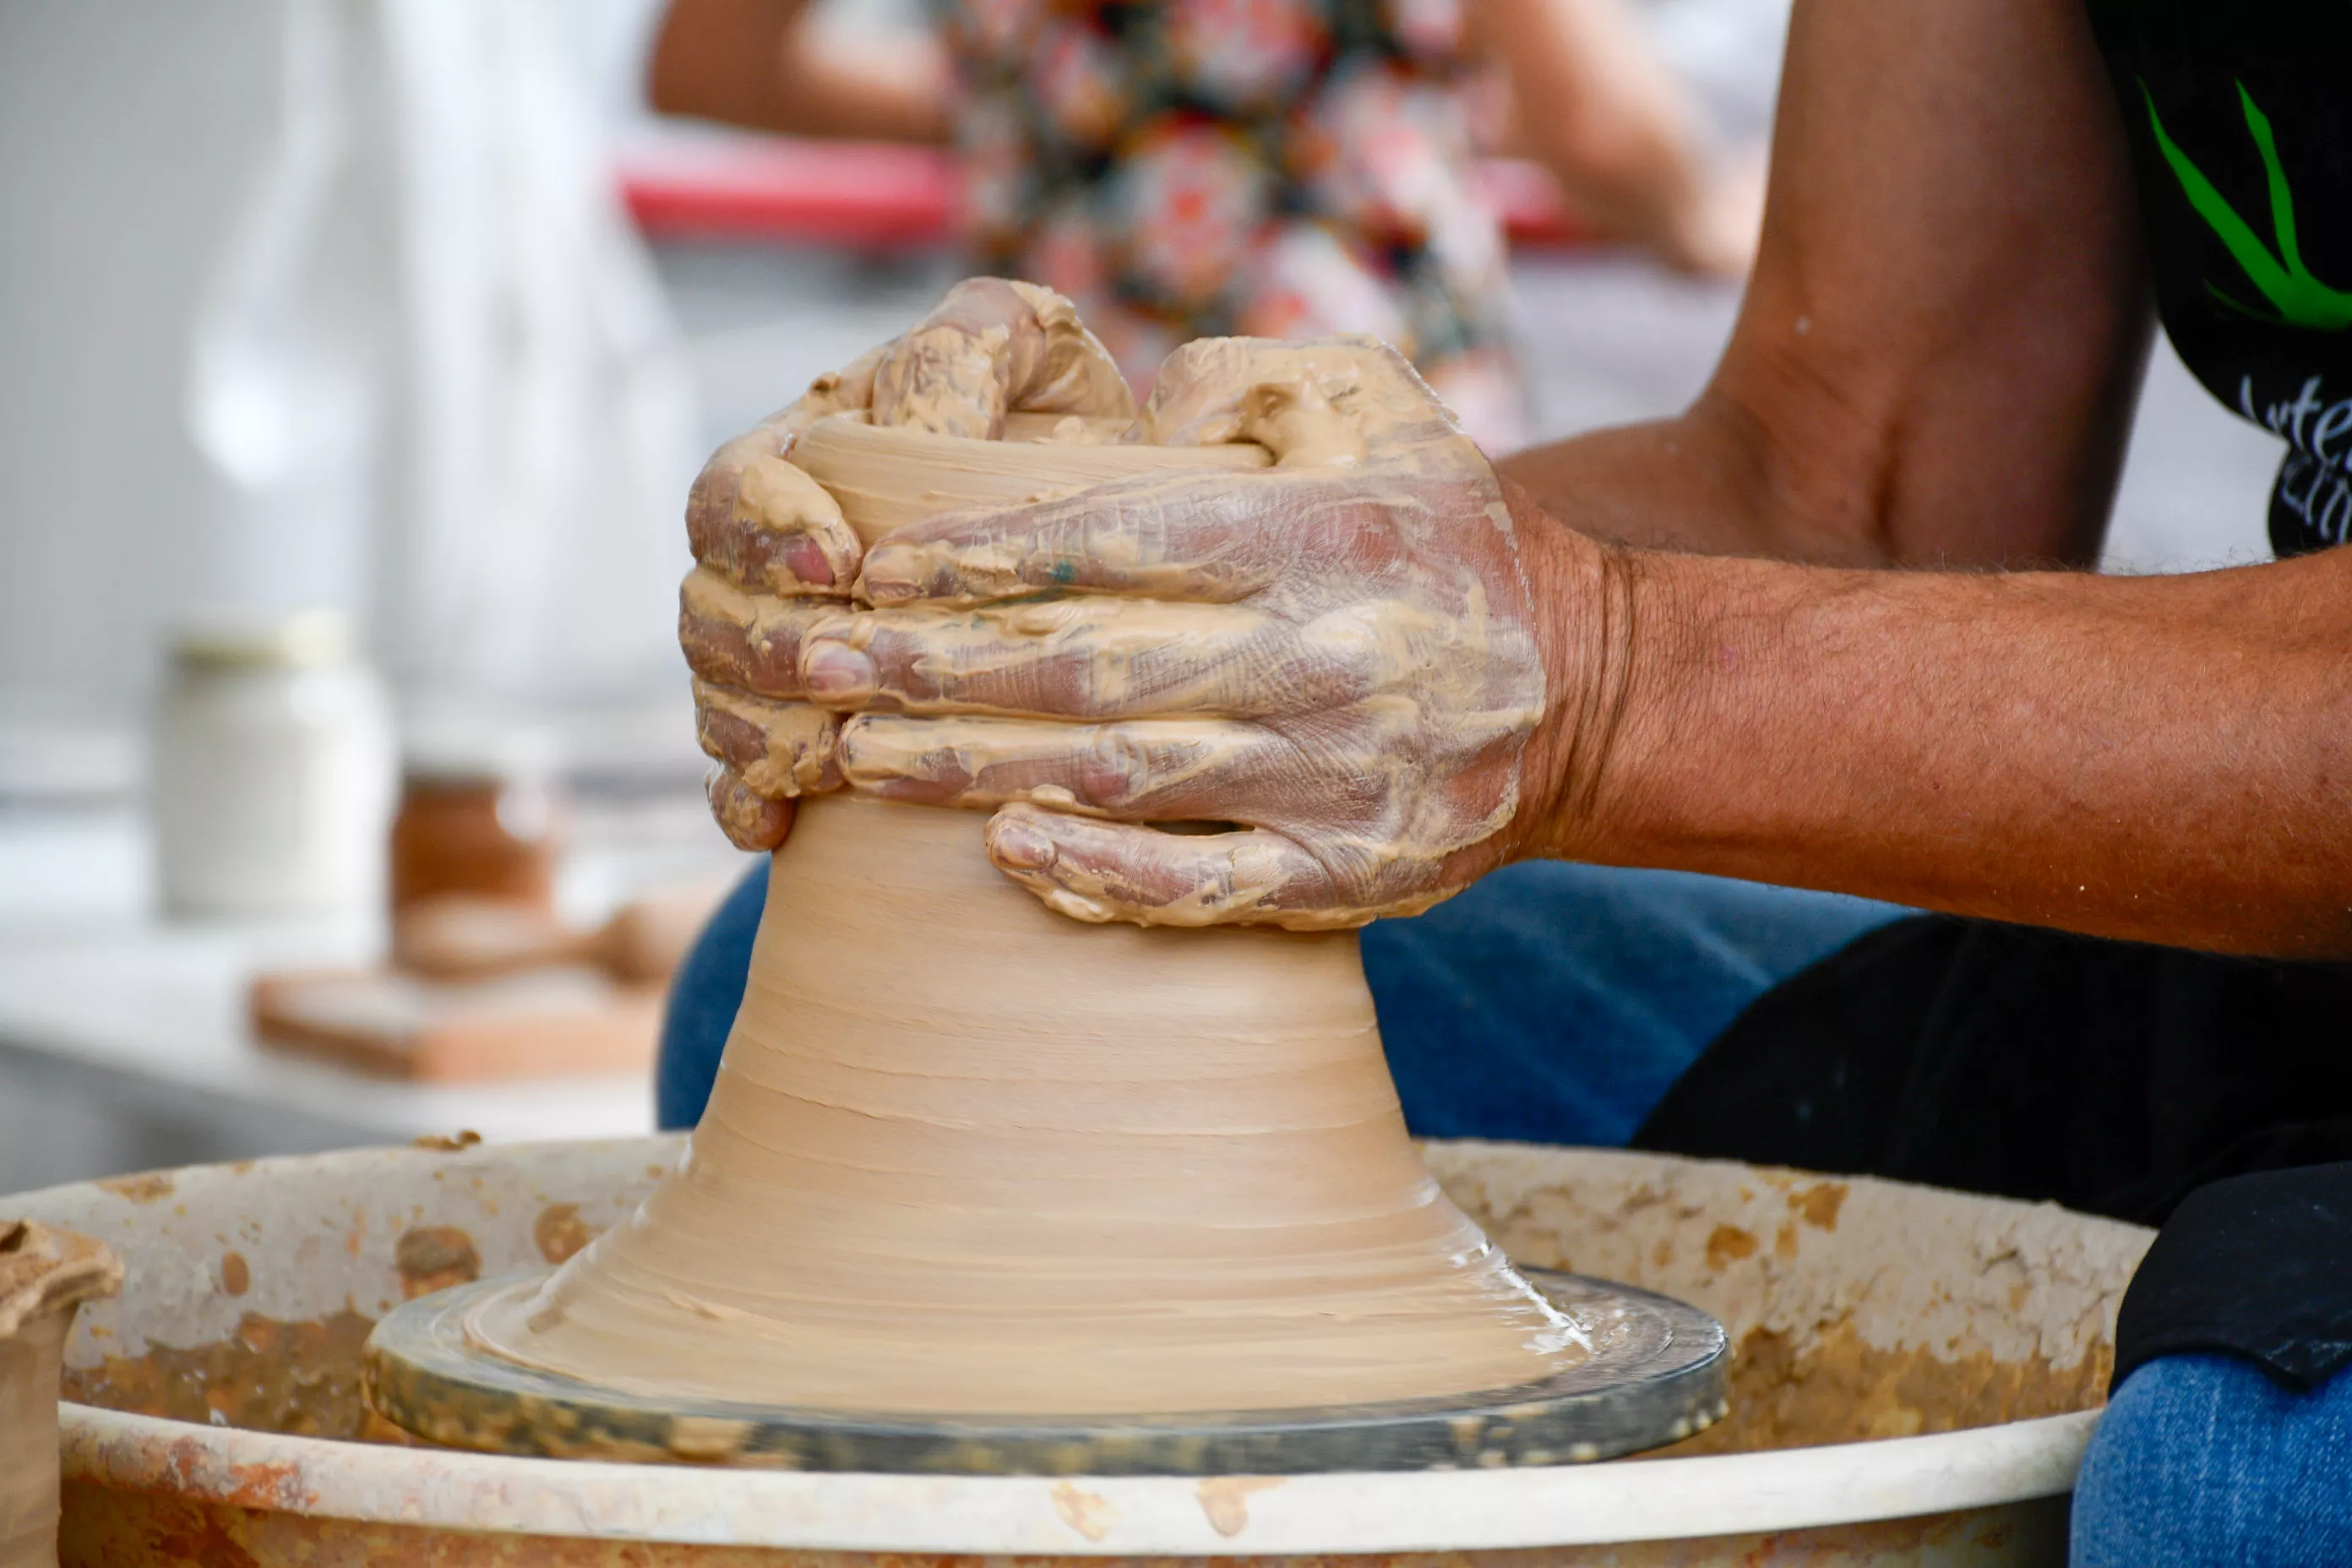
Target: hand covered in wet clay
1334	660
773	555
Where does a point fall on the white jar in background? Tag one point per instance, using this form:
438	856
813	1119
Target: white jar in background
272	772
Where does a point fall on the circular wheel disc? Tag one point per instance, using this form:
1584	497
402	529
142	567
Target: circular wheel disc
1656	1375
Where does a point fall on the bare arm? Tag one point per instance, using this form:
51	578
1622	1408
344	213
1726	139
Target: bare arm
761	64
1593	103
1942	340
1933	366
2167	760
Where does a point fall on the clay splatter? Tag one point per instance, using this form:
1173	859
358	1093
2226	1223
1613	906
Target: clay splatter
434	1257
1842	1390
267	1376
560	1232
150	1187
1818	1205
1086	1512
1726	1244
1226	1501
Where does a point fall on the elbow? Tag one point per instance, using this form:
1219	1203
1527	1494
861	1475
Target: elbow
717	59
1821	480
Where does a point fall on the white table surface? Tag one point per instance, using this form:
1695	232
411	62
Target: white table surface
124	1042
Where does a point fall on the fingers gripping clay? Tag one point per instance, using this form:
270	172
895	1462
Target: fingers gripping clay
773	553
965	1156
1336	655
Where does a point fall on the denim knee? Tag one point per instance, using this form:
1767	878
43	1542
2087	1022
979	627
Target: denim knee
2204	1460
703	997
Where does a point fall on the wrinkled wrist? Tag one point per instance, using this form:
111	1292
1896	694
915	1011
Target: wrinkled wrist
1591	603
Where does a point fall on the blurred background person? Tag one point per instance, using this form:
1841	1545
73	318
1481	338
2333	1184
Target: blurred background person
1275	168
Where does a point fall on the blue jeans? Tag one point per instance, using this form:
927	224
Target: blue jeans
2202	1460
1550	1003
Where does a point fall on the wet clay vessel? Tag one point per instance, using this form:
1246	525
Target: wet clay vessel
981	1187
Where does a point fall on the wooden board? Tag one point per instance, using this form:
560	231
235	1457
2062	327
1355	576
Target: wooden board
562	1021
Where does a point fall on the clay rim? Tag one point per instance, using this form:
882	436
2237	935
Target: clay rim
45	1270
420	1373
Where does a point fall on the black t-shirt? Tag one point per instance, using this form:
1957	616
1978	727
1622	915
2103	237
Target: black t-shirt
2241	128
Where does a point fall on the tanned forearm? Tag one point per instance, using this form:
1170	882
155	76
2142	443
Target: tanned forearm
2164	760
1935	368
760	64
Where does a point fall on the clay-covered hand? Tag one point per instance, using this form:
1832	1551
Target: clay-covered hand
773	555
1327	671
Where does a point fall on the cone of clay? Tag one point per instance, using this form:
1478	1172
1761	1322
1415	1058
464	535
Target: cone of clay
966	1156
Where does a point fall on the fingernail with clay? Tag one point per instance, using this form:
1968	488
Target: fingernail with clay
1017	846
889	576
835	672
805	558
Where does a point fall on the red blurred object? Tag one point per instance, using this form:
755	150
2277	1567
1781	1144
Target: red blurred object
867	196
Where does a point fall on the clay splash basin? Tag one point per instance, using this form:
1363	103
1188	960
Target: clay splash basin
1918	1374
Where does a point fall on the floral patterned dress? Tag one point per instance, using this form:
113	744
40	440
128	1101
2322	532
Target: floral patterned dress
1276	168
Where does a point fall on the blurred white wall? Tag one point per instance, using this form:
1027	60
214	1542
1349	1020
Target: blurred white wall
432	289
128	133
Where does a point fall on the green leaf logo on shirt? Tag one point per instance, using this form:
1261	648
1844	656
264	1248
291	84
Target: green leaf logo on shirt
2299	298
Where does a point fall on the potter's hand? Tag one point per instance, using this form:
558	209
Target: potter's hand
1336	659
773	554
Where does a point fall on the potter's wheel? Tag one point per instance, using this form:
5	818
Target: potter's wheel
1655	1374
